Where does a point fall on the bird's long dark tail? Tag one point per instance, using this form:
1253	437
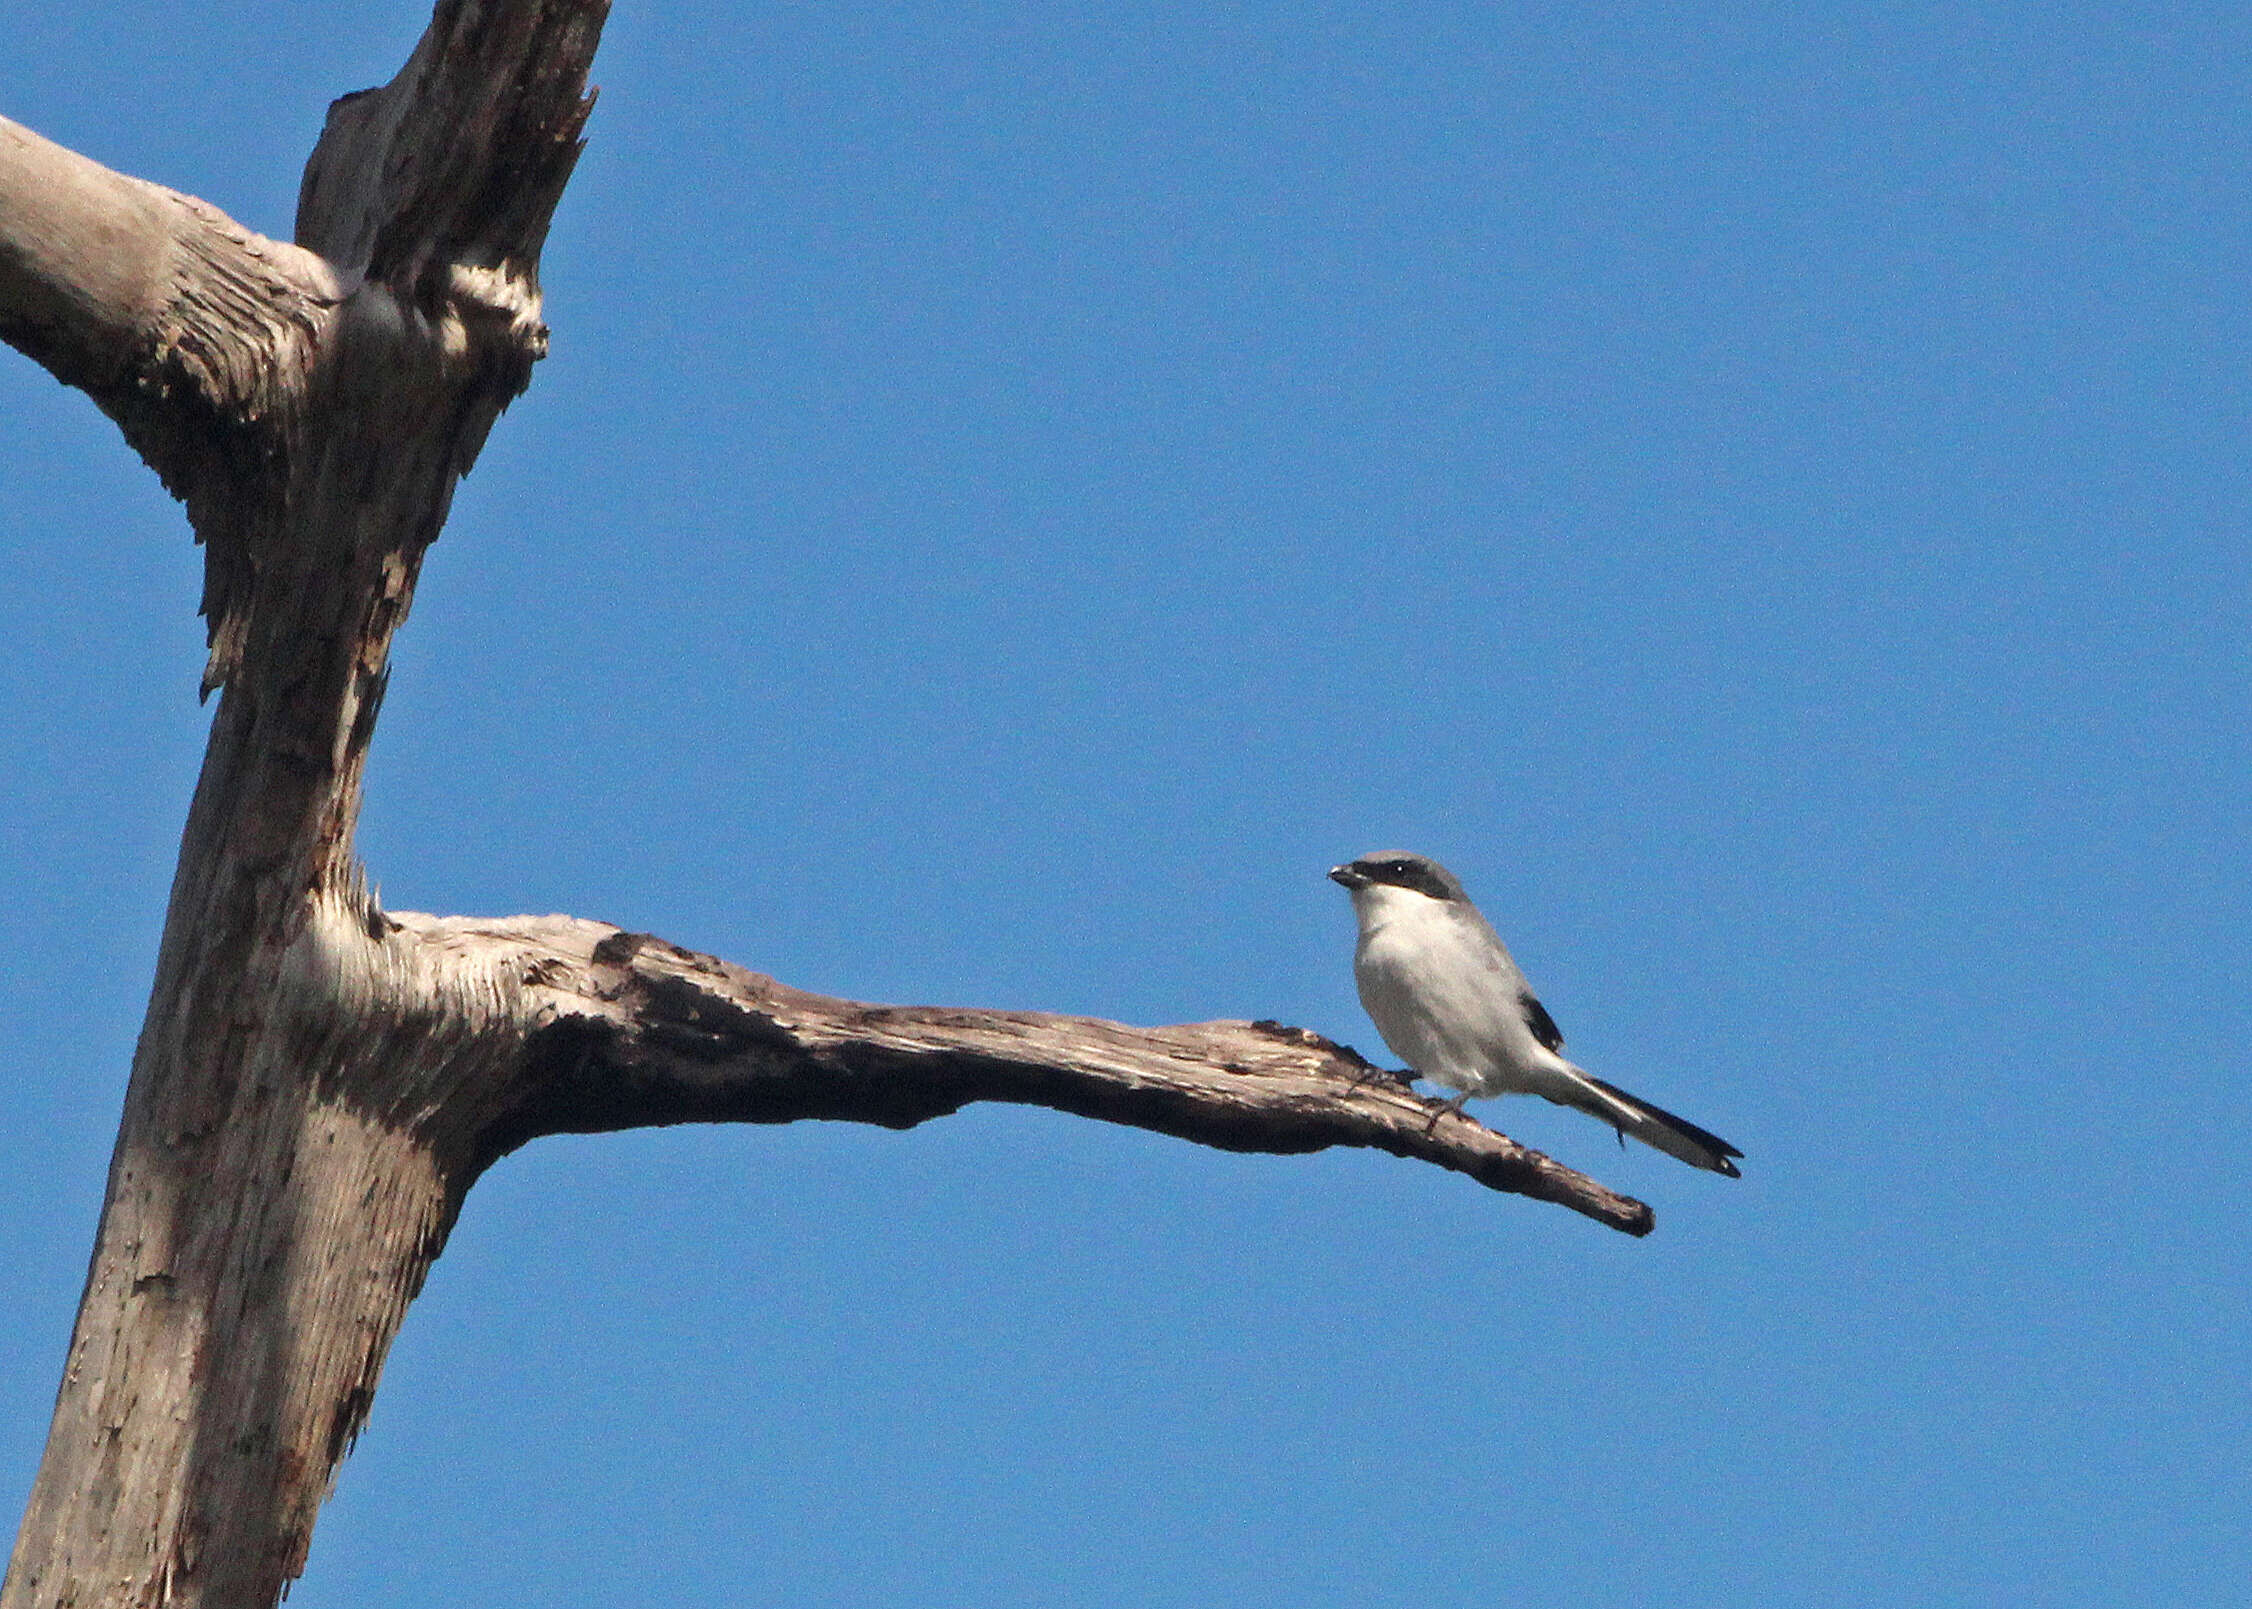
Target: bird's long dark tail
1652	1125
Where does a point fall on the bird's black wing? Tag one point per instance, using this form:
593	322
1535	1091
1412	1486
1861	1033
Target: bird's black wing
1539	1021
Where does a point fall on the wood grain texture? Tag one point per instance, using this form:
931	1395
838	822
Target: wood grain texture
622	1030
273	1202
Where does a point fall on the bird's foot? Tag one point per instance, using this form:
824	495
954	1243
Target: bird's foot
1454	1106
1373	1074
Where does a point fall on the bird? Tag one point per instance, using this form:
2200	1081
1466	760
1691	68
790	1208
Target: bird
1448	998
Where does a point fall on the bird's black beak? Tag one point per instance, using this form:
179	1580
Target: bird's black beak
1349	876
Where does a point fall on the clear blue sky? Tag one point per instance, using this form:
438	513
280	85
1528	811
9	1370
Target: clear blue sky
1760	491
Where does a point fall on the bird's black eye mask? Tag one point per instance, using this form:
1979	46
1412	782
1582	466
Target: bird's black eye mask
1420	876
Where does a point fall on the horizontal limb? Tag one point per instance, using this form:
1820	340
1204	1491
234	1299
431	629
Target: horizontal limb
622	1030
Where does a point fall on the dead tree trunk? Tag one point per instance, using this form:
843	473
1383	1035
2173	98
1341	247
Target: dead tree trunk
318	1083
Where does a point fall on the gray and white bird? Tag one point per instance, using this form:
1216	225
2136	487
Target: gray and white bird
1442	989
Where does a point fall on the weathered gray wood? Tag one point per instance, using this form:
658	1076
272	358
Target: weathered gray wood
273	1202
318	1083
622	1030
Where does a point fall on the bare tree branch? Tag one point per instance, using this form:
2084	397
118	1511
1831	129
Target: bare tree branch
269	1214
188	329
622	1030
506	86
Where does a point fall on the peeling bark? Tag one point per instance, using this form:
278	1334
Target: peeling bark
318	1084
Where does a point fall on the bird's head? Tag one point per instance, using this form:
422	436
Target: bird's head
1396	868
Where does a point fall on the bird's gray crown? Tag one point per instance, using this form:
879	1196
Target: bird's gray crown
1401	869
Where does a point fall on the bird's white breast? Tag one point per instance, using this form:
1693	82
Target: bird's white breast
1440	989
